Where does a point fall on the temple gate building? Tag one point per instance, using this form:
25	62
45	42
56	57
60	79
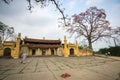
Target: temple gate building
39	47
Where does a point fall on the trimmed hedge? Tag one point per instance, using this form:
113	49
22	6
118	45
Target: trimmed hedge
114	51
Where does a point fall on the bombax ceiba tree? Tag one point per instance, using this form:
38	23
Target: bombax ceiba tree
91	25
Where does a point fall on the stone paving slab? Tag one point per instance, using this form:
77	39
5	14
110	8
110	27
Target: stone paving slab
51	68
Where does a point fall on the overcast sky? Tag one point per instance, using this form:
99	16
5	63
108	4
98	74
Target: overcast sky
43	22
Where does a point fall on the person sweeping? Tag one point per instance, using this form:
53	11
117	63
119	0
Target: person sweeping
23	58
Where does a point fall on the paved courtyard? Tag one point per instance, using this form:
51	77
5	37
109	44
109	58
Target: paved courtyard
51	68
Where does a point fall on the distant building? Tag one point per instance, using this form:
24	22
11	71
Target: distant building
39	47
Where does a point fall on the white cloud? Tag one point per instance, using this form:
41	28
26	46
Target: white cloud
90	2
114	14
42	22
72	4
116	8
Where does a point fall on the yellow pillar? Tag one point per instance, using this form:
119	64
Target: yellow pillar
1	52
27	51
13	52
0	42
38	52
49	51
65	50
16	54
77	53
57	51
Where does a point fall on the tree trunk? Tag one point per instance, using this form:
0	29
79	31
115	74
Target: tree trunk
115	42
90	44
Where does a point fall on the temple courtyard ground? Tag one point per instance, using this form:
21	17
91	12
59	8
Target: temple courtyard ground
61	68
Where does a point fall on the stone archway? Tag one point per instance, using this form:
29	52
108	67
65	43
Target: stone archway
7	52
71	51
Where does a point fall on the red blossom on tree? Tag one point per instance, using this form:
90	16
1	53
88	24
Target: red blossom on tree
91	24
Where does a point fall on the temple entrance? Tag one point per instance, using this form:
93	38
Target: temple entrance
7	52
33	52
43	52
52	51
71	51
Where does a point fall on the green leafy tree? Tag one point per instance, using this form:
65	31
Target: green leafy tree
6	32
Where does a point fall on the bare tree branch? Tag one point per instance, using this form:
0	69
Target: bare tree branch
44	3
91	24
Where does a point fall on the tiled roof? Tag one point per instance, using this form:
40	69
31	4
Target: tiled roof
41	41
42	46
9	41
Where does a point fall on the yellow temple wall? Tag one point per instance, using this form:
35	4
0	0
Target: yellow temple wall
38	52
1	52
13	53
61	51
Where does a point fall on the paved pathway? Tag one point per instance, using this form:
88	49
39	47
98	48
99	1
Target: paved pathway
51	68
